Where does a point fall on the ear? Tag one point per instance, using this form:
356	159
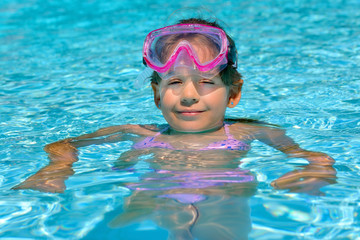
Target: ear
235	93
156	90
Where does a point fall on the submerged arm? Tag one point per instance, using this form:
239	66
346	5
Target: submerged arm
62	154
277	139
310	178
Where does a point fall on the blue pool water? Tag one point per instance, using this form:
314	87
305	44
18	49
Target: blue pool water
69	67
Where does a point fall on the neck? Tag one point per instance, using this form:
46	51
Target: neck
173	131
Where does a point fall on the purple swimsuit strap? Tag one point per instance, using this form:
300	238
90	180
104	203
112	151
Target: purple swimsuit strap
228	144
227	131
150	142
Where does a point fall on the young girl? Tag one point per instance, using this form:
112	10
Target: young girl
195	158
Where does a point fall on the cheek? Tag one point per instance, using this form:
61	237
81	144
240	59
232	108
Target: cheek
220	98
167	97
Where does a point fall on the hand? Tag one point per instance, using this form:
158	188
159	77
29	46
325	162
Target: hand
49	179
319	158
62	151
307	180
42	185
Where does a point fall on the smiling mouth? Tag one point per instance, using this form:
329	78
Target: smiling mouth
189	112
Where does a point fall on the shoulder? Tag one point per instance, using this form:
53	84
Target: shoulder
250	122
252	128
148	129
141	130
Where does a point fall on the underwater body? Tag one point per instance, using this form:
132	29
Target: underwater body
69	68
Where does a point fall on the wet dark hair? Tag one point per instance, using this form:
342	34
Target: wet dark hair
229	75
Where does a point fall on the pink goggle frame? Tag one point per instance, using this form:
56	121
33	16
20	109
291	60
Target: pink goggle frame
155	40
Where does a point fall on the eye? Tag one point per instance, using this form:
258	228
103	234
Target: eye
174	81
206	81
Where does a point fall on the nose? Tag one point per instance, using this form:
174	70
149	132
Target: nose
190	94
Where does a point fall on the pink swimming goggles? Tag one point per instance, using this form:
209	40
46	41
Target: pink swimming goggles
197	47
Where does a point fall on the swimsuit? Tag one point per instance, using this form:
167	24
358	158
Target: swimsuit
228	144
166	180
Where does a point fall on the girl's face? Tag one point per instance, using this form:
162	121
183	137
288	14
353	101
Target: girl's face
190	103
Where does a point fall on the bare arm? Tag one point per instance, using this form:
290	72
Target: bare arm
277	139
309	178
62	154
51	178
